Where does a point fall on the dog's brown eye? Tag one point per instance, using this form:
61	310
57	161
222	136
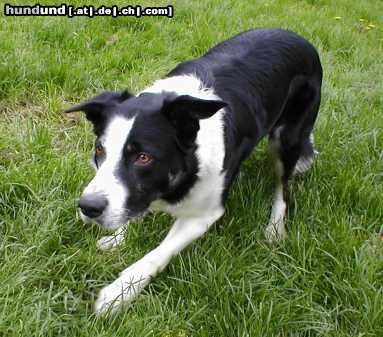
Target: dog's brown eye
99	150
143	158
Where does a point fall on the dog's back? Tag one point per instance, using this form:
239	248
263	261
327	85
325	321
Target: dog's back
253	72
269	78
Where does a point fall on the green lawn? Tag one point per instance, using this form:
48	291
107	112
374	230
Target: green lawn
325	280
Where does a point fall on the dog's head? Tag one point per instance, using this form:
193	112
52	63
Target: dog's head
142	145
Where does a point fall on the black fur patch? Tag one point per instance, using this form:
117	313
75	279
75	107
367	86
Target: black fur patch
268	77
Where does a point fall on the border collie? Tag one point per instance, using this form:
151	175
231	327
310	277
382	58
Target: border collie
177	146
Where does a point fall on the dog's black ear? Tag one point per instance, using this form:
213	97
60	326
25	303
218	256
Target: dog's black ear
185	111
95	107
194	107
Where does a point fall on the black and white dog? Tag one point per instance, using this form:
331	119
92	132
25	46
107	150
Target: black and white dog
177	146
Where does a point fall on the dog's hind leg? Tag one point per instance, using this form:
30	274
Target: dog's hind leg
292	148
276	228
307	156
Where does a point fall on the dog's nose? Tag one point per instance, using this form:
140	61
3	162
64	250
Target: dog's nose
92	205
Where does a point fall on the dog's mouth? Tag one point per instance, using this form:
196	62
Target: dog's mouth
112	222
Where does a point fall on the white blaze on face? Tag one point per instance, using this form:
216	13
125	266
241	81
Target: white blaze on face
106	182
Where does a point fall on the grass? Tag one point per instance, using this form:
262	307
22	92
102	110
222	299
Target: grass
325	280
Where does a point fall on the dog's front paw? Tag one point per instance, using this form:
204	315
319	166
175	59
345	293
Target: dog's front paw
125	289
109	242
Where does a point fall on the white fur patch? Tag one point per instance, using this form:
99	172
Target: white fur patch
303	165
125	288
112	241
182	85
105	181
276	230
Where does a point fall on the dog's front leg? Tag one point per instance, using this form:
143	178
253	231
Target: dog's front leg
133	279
